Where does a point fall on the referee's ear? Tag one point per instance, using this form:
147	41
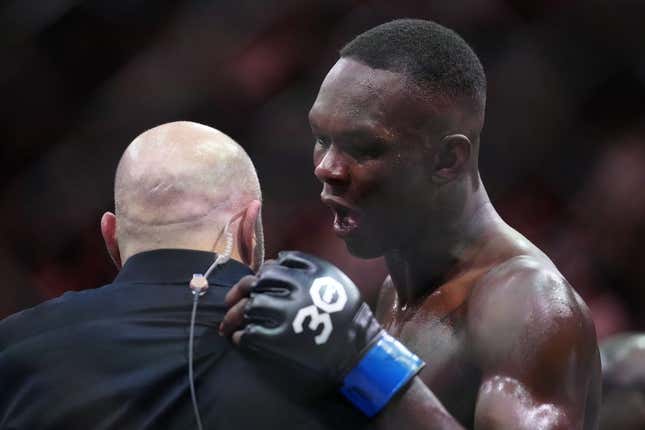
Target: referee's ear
246	232
108	230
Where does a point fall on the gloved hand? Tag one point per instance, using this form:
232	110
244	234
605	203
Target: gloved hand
306	312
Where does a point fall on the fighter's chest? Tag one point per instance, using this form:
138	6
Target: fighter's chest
450	371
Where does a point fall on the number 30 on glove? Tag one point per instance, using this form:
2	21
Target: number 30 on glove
306	312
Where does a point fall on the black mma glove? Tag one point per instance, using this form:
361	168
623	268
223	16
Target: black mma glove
306	312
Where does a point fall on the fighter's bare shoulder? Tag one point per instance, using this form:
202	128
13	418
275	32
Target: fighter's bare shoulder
524	319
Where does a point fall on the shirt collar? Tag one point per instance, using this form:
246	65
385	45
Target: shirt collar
171	266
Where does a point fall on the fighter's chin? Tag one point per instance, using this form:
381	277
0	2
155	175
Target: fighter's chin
362	248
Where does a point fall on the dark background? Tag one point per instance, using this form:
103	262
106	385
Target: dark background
563	153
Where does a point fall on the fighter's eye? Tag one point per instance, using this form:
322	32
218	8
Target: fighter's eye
367	151
373	151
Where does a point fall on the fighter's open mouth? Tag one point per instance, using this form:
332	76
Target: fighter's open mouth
340	211
345	221
346	218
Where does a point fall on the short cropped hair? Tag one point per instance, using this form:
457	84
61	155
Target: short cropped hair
433	56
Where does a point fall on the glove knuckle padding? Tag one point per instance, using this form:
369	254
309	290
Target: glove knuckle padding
264	309
276	276
257	337
297	260
321	308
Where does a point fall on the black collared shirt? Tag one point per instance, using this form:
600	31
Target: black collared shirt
116	358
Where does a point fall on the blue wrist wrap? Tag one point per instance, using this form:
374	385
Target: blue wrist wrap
383	370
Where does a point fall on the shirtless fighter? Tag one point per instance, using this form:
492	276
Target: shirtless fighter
507	343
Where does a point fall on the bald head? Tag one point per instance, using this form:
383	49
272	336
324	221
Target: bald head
177	185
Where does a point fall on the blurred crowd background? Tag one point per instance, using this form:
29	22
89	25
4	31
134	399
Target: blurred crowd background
563	150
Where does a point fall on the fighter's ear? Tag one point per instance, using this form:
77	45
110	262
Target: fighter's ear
108	230
246	231
452	157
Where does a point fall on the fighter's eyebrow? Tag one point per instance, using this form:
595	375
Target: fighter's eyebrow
352	130
372	133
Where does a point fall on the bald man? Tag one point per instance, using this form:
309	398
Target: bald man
117	356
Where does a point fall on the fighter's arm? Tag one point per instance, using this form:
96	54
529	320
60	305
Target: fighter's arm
536	345
415	408
374	370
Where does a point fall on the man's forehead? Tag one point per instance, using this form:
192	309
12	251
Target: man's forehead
351	80
353	88
354	93
350	70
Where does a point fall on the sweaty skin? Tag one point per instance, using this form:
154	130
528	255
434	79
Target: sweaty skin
508	343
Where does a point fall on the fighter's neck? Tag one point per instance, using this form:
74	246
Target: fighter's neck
439	255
